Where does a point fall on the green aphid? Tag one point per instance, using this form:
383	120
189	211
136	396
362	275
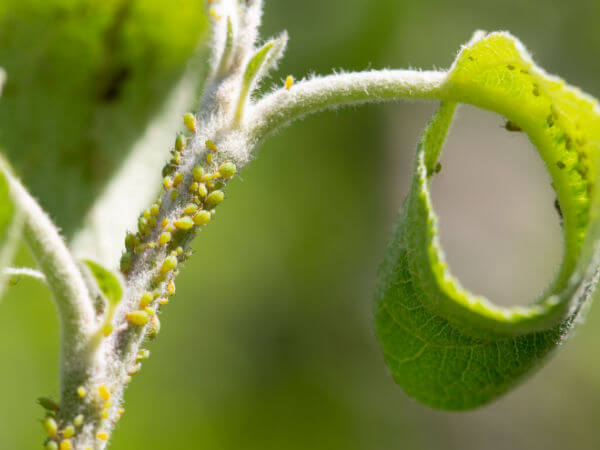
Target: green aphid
126	262
189	120
51	445
214	198
48	404
131	240
78	420
511	126
143	225
184	223
50	427
198	173
155	210
169	264
180	142
227	170
69	431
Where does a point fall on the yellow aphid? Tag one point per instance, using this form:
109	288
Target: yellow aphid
190	208
202	190
171	287
163	301
227	170
177	158
214	198
65	445
151	244
107	405
134	369
164	223
140	248
81	391
149	310
146	299
289	82
180	142
51	445
103	392
212	146
50	427
154	210
154	326
174	194
169	264
138	318
143	354
106	331
183	223
177	179
197	172
127	379
189	120
102	436
121	411
209	157
146	214
193	187
69	431
170	228
164	238
78	421
202	217
214	14
168	182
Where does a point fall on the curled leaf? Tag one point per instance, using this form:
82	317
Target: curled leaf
447	347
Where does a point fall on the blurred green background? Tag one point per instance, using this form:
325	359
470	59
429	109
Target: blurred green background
269	342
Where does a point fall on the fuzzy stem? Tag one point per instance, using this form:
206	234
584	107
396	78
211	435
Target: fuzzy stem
70	292
23	272
283	107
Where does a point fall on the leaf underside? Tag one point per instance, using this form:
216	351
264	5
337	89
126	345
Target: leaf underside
445	346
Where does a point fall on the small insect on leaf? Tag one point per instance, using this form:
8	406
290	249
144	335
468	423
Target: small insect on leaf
511	126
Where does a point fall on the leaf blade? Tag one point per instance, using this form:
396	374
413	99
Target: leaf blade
447	347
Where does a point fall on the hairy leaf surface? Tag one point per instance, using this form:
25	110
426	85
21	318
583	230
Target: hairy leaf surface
447	347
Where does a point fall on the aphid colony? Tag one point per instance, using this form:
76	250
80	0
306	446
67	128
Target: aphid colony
168	237
59	436
204	193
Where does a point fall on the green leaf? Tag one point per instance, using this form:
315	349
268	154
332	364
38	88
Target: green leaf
107	281
260	63
84	79
445	346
